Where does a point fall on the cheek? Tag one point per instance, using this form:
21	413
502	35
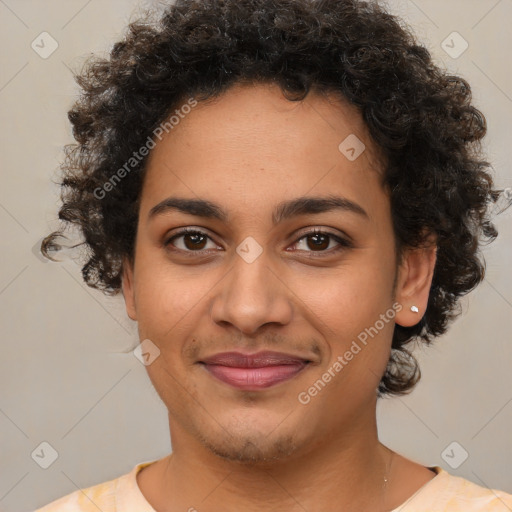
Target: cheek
346	308
170	299
345	300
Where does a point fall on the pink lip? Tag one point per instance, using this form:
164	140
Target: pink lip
254	371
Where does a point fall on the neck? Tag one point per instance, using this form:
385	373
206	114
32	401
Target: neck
346	472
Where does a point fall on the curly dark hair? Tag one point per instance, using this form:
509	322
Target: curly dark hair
419	115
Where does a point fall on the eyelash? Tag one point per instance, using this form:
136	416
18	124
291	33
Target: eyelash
343	243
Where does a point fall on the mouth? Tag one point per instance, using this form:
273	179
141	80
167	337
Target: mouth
252	372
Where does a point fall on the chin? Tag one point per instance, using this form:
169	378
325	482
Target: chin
252	450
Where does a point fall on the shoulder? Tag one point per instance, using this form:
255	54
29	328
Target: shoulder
101	496
468	496
105	496
451	493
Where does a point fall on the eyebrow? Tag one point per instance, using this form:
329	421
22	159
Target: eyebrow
284	210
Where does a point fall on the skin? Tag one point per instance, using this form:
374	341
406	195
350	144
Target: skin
233	450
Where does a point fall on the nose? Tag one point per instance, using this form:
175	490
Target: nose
251	295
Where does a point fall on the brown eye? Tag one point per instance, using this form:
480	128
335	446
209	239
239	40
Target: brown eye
319	241
192	240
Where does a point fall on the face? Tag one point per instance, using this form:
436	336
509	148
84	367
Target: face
314	282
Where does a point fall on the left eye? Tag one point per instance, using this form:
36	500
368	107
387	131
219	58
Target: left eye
321	240
194	240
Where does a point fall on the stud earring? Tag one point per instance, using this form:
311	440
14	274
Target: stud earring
414	309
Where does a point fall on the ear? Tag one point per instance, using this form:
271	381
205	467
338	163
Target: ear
128	289
413	282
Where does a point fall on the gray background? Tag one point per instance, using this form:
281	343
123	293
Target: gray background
67	374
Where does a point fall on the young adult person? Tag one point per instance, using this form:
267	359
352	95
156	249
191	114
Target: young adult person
286	193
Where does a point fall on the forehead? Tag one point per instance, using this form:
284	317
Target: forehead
252	145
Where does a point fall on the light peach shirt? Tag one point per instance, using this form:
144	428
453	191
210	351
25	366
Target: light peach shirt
444	493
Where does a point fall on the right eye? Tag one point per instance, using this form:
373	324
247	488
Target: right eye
193	240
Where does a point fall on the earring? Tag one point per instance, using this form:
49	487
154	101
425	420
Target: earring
414	309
